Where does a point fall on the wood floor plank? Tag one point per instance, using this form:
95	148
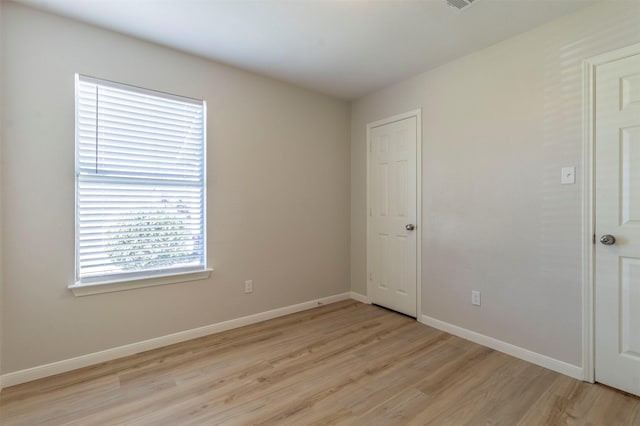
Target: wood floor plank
345	364
293	371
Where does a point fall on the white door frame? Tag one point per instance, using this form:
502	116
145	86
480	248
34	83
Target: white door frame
588	204
417	113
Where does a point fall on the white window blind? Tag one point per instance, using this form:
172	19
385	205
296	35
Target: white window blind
140	182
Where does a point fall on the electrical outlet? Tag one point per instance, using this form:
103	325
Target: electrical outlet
475	297
248	286
568	175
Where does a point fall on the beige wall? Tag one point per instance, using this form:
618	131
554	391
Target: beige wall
1	173
278	192
497	127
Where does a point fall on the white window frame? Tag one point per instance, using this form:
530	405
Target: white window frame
126	281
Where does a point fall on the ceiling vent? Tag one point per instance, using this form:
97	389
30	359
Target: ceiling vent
460	4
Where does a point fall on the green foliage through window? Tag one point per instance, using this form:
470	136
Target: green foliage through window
152	240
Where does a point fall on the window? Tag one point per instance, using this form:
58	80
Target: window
140	184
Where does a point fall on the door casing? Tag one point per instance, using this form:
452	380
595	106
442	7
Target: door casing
588	204
417	113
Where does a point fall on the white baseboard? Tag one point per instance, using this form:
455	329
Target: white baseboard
29	374
360	297
513	350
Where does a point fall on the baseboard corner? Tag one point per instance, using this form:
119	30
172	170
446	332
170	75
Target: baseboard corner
360	297
545	361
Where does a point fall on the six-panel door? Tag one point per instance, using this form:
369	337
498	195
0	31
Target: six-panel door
393	242
617	265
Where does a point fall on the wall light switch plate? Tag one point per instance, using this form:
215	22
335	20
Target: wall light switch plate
568	176
475	297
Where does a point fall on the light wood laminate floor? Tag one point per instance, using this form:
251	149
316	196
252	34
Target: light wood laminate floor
344	363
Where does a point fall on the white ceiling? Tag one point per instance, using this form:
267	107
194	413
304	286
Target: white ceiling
345	48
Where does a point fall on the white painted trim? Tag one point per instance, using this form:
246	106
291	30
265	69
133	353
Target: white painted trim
130	284
417	113
398	117
588	203
507	348
360	297
588	223
614	55
27	375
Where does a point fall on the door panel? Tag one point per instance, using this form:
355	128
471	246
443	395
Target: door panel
630	315
630	175
617	266
392	188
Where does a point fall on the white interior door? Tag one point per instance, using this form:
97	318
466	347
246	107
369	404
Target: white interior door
392	240
617	201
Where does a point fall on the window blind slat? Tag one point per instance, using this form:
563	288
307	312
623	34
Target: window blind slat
136	230
93	245
141	144
114	165
130	124
182	247
153	261
122	150
135	112
140	180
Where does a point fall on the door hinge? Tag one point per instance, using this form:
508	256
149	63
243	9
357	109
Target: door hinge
370	276
371	213
594	238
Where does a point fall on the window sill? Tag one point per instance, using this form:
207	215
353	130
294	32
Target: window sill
130	284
